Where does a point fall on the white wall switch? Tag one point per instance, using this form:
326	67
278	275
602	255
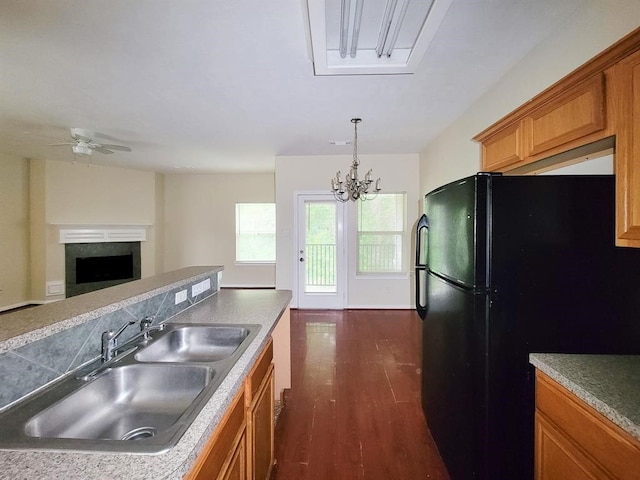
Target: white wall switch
181	296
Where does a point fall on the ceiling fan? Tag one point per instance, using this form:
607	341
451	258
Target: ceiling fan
83	143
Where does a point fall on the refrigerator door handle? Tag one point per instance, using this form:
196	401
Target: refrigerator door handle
421	267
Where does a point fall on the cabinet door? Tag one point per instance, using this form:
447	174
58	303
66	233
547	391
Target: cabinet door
261	430
224	456
260	416
558	458
574	441
237	469
627	157
577	112
502	149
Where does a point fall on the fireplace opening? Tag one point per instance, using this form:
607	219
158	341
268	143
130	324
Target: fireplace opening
100	269
93	266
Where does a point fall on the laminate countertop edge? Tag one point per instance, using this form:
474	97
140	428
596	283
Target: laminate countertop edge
262	307
608	383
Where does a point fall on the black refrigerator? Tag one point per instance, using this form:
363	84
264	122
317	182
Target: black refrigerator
506	266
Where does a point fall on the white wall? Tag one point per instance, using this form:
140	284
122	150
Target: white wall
14	231
453	154
597	166
77	194
200	223
399	173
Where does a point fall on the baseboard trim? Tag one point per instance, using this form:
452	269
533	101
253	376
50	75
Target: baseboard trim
14	306
268	287
362	307
28	303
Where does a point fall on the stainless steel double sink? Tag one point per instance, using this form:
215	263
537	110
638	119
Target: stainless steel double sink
142	401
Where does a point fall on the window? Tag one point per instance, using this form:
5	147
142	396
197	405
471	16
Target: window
255	232
381	230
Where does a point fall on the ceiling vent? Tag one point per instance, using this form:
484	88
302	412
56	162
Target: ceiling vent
377	37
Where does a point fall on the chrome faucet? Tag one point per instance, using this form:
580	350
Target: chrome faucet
145	327
110	341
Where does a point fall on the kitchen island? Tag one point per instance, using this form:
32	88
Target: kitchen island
261	307
587	416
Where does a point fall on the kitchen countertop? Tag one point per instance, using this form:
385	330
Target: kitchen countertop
263	307
27	325
608	383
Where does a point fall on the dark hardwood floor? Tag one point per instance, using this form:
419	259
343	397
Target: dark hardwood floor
353	411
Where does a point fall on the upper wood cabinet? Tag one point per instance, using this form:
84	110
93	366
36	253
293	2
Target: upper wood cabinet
598	102
503	148
576	113
569	118
627	158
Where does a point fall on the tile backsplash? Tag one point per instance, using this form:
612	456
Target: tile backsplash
29	367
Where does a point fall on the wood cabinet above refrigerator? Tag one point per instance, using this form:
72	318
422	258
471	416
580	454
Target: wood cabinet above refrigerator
597	104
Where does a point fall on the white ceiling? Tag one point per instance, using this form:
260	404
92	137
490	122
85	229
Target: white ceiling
217	86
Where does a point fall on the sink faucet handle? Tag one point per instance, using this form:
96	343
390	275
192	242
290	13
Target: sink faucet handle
146	322
145	326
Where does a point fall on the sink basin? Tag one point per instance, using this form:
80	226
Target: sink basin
194	343
124	403
140	402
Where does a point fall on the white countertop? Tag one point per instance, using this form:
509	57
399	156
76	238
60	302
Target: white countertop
263	307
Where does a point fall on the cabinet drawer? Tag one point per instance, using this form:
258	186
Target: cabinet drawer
259	371
595	436
578	112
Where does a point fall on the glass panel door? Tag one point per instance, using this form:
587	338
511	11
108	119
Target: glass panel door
319	252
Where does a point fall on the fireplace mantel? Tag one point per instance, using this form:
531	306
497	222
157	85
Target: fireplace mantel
102	233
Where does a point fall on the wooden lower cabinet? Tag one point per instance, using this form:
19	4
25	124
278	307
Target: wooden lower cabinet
238	464
575	442
242	447
260	417
224	455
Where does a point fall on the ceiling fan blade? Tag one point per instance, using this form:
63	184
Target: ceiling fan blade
122	148
60	144
100	148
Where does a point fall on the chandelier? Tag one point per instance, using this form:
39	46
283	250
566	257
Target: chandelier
352	188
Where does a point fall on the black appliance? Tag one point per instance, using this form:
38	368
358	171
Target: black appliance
506	266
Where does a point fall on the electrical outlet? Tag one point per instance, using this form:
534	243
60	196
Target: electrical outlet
205	285
181	296
200	287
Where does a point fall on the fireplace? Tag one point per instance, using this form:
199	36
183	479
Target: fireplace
93	266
